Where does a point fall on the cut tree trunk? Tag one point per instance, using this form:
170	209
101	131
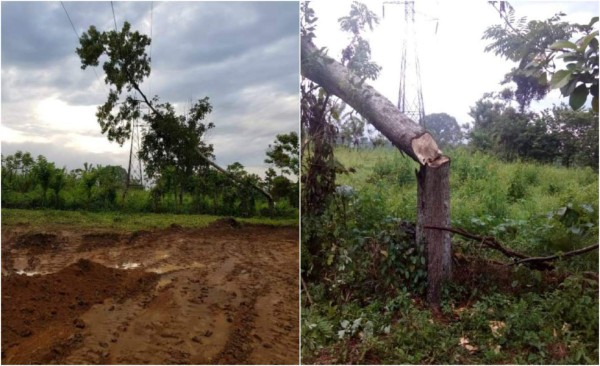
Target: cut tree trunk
433	205
406	135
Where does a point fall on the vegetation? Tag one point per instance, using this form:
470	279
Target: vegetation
552	54
366	303
527	179
177	160
555	135
55	220
28	183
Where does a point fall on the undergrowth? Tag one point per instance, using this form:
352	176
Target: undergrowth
366	287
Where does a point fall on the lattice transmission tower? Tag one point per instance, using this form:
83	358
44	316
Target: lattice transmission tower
410	91
135	170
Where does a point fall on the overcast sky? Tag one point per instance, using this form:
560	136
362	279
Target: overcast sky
243	55
455	70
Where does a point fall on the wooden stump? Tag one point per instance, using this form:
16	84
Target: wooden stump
433	209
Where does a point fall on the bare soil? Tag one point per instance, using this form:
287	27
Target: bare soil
226	294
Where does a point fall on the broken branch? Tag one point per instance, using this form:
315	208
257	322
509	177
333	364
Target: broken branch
493	243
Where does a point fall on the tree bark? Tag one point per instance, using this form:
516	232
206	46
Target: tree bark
433	205
408	136
336	79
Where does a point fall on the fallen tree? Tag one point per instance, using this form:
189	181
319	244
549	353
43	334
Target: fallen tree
433	201
126	67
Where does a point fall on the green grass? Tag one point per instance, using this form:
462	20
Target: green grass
54	219
368	302
480	184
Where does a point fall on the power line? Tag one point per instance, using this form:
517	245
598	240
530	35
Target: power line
77	36
151	42
114	18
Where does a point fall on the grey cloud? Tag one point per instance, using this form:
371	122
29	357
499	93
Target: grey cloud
243	55
65	158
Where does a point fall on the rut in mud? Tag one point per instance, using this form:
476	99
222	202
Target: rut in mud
226	294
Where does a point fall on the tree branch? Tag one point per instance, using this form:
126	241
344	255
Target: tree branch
207	159
493	243
488	241
557	256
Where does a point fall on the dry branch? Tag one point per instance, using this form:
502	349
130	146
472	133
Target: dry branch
305	287
493	243
557	256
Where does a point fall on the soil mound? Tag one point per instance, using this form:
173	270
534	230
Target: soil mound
228	222
31	305
41	241
140	234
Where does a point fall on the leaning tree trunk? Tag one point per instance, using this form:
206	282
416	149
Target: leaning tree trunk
433	206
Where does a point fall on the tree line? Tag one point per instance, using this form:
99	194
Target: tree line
29	182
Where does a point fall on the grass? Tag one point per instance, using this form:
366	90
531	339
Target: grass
368	302
480	184
54	219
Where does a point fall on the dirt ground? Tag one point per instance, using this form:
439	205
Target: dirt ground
226	294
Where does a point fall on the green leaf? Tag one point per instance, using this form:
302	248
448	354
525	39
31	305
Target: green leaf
593	20
560	79
569	56
586	41
563	44
568	89
543	79
578	97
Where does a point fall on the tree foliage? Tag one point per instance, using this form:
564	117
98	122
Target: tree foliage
176	141
126	67
444	128
173	140
284	153
558	135
548	56
96	187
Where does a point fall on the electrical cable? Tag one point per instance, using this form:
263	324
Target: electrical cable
77	36
114	18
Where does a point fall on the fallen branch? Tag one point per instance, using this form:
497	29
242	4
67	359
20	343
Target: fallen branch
493	243
306	291
557	256
488	241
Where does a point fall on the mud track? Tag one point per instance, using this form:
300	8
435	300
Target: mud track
226	294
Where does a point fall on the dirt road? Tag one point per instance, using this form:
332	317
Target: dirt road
226	294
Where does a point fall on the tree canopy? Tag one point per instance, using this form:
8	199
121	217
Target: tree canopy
444	128
173	140
551	54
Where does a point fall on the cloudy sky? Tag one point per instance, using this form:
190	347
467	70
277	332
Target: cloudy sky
243	55
455	70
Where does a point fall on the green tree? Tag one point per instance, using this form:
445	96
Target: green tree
110	179
89	178
43	171
284	153
537	46
176	141
444	129
57	183
577	134
125	68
